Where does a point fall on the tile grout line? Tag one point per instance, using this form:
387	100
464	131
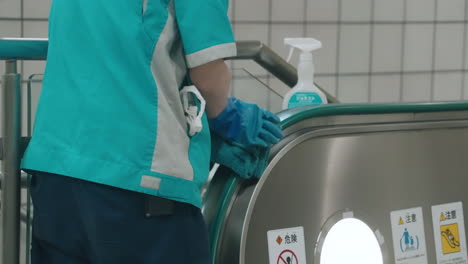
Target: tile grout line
371	52
362	74
286	22
327	22
465	40
269	36
381	74
403	49
269	39
338	49
434	43
304	21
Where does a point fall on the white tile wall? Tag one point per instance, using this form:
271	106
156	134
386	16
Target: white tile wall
386	10
416	87
287	19
420	10
353	89
32	67
451	10
291	10
250	10
276	99
278	86
465	94
449	46
10	8
447	86
279	33
418	47
356	10
276	103
387	51
250	66
322	10
251	32
36	8
324	58
10	29
465	46
354	48
385	88
36	29
327	83
251	90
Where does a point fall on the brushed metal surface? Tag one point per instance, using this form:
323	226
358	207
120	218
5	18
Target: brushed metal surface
370	169
10	196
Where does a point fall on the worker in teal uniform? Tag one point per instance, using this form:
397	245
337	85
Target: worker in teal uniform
121	143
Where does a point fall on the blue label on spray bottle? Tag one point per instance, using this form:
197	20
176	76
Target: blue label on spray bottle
303	99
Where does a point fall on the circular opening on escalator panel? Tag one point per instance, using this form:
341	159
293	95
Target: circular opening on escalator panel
351	241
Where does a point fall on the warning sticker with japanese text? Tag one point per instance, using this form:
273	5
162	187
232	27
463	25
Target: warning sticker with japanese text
287	246
449	233
409	241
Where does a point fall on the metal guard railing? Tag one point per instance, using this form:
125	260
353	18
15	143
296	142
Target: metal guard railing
12	145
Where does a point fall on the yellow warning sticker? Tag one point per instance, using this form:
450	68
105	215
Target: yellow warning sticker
449	233
442	217
401	221
450	238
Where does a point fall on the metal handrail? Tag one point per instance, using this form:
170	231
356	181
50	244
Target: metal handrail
11	148
13	145
23	180
23	48
24	141
273	63
36	49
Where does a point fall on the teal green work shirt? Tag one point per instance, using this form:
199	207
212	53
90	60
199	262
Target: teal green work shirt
110	110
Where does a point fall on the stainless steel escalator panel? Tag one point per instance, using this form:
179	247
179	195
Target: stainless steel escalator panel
389	163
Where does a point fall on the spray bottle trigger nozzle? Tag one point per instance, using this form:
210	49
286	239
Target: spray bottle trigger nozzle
291	53
305	45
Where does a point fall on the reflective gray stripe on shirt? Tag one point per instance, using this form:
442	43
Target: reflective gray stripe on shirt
212	53
145	5
169	69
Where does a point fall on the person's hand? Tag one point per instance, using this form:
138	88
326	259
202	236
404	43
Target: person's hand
247	124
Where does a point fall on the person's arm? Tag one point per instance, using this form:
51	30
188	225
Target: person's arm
207	39
233	119
213	81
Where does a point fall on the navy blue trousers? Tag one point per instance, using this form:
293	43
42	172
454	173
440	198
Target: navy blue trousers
77	222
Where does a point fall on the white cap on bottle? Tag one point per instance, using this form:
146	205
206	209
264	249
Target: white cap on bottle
306	45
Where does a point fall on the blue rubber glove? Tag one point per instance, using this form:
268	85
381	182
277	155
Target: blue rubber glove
247	124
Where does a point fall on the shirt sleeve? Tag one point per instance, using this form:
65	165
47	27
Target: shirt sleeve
205	30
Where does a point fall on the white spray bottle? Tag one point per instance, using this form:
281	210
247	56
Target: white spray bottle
305	92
